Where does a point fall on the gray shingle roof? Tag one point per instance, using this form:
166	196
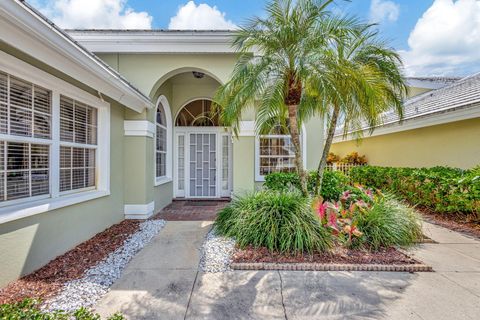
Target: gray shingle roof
460	94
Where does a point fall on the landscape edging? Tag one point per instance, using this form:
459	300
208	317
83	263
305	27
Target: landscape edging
329	267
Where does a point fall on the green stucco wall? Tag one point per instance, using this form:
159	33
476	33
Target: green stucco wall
28	244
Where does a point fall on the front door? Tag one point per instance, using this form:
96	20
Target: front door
203	163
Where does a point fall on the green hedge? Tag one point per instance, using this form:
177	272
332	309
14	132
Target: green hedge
334	183
443	189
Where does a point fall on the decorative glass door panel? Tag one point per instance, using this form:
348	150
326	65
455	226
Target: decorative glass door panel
203	165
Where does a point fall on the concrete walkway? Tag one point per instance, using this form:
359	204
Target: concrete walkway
162	282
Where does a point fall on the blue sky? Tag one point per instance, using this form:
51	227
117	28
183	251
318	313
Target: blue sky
435	37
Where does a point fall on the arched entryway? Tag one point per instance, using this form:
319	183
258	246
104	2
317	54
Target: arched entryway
203	152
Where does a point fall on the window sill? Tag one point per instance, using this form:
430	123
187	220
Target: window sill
259	178
163	180
24	210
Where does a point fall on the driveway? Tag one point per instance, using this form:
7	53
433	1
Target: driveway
163	282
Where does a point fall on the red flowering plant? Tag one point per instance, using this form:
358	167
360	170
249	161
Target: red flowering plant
340	215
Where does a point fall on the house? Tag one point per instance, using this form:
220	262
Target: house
97	126
100	126
440	127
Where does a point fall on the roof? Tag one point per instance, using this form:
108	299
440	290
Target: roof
60	50
431	82
155	41
461	94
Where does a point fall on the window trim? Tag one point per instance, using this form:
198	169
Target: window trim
31	206
157	181
303	142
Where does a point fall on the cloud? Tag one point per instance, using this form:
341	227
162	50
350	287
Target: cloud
96	14
200	17
383	10
445	40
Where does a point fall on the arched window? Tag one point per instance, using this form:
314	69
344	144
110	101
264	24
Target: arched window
197	113
161	143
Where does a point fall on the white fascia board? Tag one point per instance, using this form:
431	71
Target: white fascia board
155	41
419	122
23	29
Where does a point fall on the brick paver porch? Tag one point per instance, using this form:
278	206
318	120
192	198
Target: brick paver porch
192	210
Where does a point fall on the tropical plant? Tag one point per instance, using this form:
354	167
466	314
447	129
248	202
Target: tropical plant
29	309
332	158
359	79
279	221
334	183
281	81
369	219
354	158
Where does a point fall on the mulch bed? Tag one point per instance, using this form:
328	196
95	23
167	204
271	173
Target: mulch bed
47	281
456	222
385	256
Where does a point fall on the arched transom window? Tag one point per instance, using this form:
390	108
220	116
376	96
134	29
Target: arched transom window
197	113
161	142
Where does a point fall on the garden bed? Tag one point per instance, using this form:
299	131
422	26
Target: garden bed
80	276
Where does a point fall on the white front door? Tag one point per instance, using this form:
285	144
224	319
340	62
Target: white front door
203	163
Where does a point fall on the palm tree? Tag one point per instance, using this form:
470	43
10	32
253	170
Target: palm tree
278	80
360	78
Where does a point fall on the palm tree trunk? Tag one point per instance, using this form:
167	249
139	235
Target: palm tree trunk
294	133
326	149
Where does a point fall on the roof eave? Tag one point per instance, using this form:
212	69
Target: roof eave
25	29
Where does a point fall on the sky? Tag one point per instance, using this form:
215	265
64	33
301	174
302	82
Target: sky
434	37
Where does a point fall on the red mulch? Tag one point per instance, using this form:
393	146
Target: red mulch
457	222
339	256
48	280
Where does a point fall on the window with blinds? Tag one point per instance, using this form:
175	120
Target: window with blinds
25	130
161	143
276	154
78	140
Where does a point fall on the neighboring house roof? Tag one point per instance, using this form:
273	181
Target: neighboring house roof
458	101
155	41
431	82
24	28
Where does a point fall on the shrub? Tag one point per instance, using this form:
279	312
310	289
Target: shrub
332	157
281	221
334	183
368	219
30	309
387	223
354	158
442	189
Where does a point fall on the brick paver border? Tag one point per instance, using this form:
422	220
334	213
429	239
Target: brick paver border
330	267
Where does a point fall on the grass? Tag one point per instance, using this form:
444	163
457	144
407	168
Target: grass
280	221
388	223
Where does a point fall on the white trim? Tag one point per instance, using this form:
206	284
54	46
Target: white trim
419	122
139	211
139	128
169	152
24	29
186	131
24	210
28	206
155	41
23	70
260	178
247	129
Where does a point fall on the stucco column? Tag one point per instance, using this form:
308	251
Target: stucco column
138	168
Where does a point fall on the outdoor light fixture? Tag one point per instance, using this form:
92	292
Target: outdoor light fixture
198	75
